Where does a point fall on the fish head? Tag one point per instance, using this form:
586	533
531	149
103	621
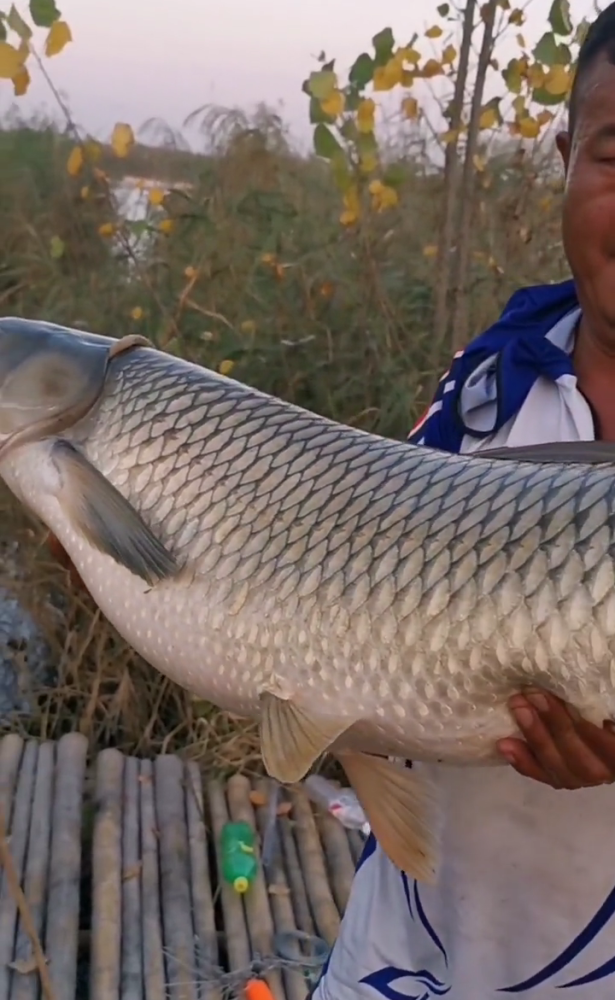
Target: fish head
50	377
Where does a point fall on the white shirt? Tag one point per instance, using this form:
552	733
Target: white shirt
524	905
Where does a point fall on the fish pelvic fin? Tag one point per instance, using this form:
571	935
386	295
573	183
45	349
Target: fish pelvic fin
108	521
399	805
292	739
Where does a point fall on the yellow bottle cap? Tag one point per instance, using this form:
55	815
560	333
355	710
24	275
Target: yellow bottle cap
241	884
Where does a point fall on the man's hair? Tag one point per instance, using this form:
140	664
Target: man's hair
598	42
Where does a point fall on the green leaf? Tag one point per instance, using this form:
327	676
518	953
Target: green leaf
317	114
56	247
580	32
341	174
543	97
366	143
353	98
17	24
2	27
443	9
559	17
511	76
383	43
325	143
362	70
349	130
548	51
394	175
321	83
43	13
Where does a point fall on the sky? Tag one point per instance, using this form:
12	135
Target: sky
132	60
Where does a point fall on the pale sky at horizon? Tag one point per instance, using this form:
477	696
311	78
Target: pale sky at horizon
136	59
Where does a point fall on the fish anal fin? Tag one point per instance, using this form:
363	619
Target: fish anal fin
106	519
293	739
399	806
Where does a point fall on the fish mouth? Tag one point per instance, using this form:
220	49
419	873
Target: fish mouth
50	377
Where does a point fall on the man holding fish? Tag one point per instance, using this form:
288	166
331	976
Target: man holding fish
525	901
380	600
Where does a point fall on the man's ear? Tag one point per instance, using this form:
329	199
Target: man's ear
563	141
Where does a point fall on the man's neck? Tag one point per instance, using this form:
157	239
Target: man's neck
595	369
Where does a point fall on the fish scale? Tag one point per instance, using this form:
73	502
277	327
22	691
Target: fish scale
355	595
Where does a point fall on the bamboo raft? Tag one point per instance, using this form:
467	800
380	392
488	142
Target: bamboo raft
110	885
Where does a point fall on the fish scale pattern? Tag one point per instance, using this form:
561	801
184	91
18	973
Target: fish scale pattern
398	583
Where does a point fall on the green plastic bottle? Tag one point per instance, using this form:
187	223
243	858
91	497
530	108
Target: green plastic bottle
239	865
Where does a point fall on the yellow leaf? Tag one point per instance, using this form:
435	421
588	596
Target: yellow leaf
408	77
388	76
450	136
268	258
519	106
383	196
166	226
85	192
545	203
479	163
21	82
11	61
535	76
516	17
59	36
248	326
74	162
521	41
430	251
410	55
368	162
431	68
156	196
449	55
225	367
529	128
122	139
334	104
365	115
352	207
410	108
434	32
107	229
488	118
136	313
558	81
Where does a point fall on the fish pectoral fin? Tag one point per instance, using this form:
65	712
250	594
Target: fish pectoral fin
292	739
108	521
399	806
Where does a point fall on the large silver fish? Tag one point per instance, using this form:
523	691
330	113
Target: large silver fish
356	595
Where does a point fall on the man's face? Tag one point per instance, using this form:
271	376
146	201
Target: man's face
588	220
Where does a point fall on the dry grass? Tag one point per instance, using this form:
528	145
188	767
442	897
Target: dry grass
336	321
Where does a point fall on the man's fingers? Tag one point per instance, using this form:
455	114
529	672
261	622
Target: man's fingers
521	758
557	743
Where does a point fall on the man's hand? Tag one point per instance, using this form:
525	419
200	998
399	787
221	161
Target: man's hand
560	748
